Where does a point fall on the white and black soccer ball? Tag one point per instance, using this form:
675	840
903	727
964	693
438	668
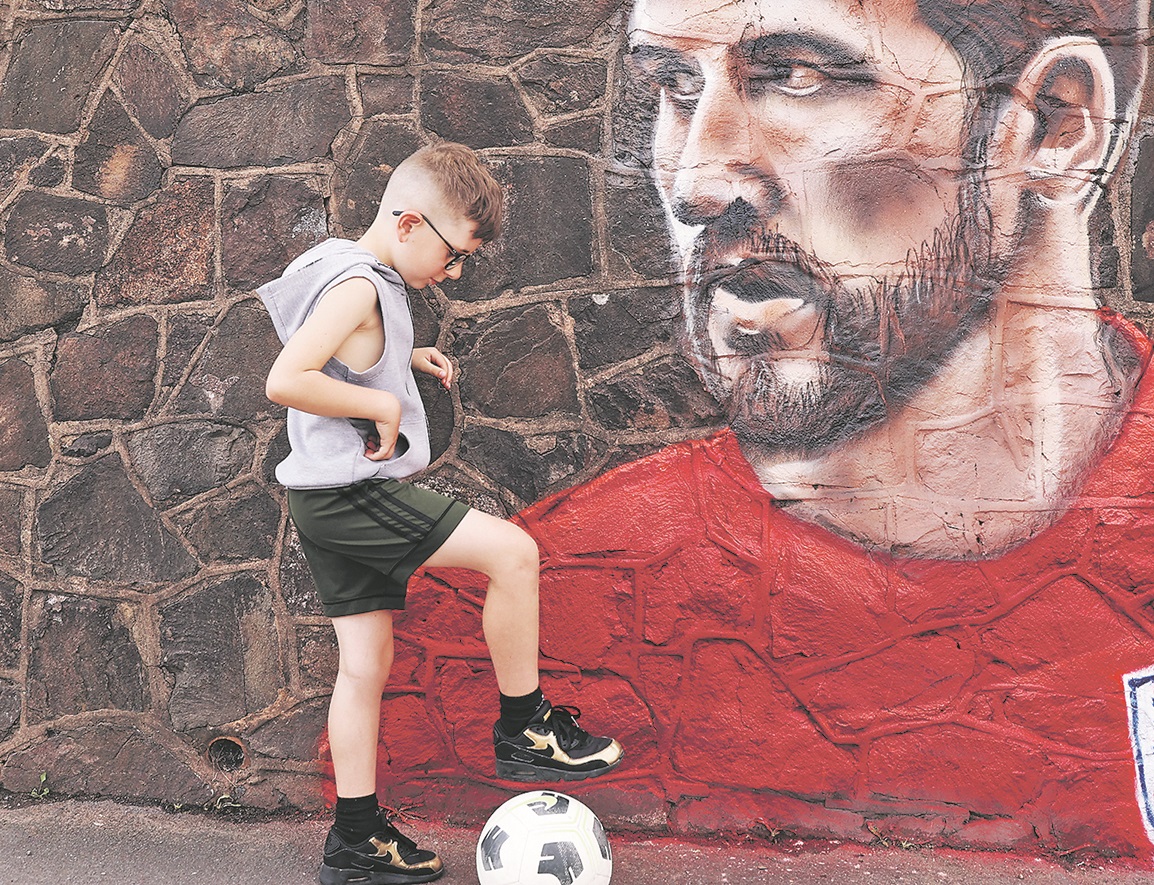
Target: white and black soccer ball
543	838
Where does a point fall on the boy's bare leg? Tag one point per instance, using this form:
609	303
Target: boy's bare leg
508	556
366	656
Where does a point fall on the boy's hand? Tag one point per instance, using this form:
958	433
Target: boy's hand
432	362
381	445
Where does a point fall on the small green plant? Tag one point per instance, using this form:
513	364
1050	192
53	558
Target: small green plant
42	791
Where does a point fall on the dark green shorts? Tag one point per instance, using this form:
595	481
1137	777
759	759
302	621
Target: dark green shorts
363	542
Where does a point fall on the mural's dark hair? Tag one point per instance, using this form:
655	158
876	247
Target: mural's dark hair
996	39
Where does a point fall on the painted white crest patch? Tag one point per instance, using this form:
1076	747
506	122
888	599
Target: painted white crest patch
1140	702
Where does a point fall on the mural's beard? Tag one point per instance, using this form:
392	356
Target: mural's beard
876	347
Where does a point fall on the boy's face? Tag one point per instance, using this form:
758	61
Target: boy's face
429	244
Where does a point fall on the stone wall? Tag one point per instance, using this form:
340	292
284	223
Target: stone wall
159	159
157	162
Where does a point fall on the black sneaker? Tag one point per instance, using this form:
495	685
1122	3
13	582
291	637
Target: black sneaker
388	857
553	747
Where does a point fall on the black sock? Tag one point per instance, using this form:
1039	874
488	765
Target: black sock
357	819
516	712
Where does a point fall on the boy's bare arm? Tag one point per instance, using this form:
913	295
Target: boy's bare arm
296	380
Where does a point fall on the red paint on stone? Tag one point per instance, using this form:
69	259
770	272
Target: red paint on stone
764	674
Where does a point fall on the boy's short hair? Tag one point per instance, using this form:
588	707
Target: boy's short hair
465	183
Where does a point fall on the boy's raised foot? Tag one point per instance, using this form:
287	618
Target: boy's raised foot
553	747
388	857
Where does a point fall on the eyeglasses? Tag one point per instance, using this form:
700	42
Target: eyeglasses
458	257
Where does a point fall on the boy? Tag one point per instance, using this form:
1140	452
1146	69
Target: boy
356	427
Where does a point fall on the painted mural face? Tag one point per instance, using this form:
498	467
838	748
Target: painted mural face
813	175
850	216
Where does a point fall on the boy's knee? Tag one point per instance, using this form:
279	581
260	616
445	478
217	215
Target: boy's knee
367	668
523	551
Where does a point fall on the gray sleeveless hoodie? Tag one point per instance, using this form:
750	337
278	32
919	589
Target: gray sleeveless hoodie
329	452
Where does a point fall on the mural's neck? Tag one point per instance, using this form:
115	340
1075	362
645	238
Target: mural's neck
990	450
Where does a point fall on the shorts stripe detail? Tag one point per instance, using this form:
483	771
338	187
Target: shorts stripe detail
389	511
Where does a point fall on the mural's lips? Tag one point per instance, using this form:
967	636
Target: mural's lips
762	305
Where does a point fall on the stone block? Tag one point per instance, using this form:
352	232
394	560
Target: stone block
219	648
586	642
639	240
151	90
227	43
167	254
104	760
822	606
59	234
318	657
516	363
49	173
23	432
11	618
237	526
443	606
439	414
180	460
11	521
529	466
386	93
228	378
297	587
106	372
278	450
115	161
85	445
186	332
499	30
353	32
267	223
563	85
65	630
997	834
612	327
97	525
58	6
478	111
10	700
64	60
297	122
738	811
361	175
583	134
548	232
677	602
411	744
294	735
1142	221
982	773
29	305
773	744
863	696
633	117
18	156
660	395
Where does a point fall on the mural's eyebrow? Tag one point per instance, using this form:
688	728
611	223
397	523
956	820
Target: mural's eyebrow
657	62
650	54
801	46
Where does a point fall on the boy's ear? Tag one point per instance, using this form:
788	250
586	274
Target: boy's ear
1061	125
406	220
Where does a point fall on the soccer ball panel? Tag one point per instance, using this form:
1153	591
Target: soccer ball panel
543	838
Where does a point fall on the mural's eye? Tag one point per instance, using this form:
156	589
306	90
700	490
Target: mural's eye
682	86
793	78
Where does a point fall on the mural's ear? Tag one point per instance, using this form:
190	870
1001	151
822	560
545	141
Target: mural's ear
1060	128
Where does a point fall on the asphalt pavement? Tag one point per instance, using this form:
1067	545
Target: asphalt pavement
72	842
